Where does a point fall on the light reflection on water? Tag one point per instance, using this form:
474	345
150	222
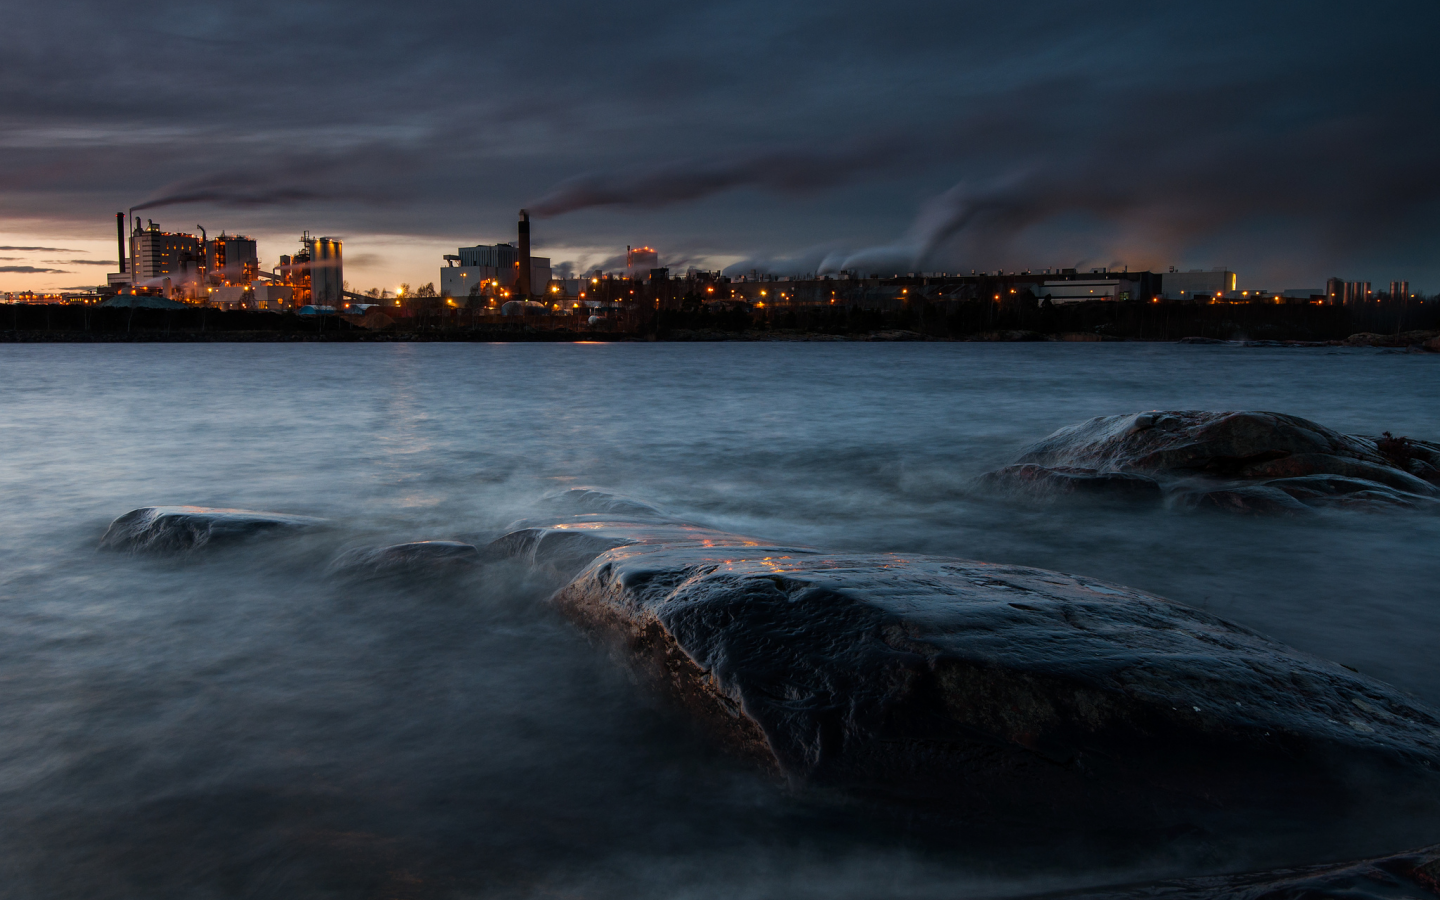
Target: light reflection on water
235	725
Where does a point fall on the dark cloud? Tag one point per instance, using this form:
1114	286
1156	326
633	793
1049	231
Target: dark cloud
44	249
783	170
81	262
32	270
922	133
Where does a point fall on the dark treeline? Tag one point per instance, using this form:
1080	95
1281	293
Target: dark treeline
948	320
40	322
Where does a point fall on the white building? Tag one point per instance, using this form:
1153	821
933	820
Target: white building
471	268
1197	283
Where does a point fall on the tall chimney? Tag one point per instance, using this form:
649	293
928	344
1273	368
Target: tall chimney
120	238
522	278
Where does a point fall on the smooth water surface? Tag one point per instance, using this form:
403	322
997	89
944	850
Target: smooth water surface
234	724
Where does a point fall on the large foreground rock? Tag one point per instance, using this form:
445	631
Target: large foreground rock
998	694
1238	461
177	528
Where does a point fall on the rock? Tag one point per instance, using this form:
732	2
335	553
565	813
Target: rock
1245	498
1200	340
1407	875
1303	464
412	558
1000	695
1419	458
1331	490
156	529
1433	345
1040	481
1406	339
1187	442
1235	461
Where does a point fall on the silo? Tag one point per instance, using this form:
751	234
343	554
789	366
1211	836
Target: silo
327	275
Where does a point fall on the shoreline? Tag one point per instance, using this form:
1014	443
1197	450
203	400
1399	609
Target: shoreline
1418	341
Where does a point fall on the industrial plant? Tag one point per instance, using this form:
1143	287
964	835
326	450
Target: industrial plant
223	271
501	285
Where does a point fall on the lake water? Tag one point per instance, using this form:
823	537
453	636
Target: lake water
236	725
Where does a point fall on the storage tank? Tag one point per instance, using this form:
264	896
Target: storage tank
327	274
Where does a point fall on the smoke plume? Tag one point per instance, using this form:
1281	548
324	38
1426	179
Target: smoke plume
786	171
366	174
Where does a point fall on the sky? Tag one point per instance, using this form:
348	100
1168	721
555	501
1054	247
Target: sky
1286	141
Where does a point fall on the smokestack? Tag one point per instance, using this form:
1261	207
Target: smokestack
522	279
120	239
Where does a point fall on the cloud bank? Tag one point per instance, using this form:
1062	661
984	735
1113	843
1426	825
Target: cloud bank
936	135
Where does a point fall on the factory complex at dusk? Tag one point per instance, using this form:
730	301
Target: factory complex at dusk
159	268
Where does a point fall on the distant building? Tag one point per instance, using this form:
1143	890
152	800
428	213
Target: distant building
1198	283
327	273
1070	286
1345	293
496	256
640	260
228	297
1399	290
467	271
272	296
1080	290
156	254
230	259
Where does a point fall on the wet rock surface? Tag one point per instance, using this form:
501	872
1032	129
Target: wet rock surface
415	557
162	529
1246	462
991	694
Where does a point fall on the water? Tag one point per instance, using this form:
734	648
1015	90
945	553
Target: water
235	725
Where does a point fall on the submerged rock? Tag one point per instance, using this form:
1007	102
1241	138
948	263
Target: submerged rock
995	694
174	528
410	558
1253	462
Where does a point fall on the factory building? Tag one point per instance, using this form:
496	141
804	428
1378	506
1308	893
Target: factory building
231	258
224	271
315	276
640	260
1198	283
183	264
1072	287
1339	292
156	254
469	270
